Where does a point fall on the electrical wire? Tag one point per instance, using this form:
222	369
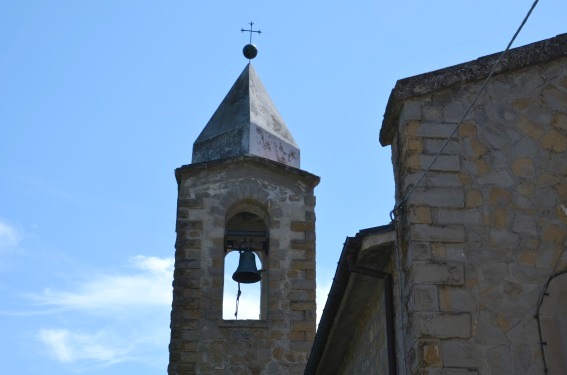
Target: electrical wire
398	205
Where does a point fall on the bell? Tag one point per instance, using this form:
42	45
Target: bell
247	273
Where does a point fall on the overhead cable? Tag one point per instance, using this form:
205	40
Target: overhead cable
398	205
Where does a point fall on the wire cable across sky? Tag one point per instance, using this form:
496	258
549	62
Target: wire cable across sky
398	205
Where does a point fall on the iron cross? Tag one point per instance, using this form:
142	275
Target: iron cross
251	31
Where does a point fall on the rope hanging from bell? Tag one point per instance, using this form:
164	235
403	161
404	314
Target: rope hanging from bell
237	302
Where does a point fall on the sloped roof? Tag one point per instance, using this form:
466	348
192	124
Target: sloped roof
247	123
348	296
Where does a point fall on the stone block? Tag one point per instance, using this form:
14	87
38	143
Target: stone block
500	178
433	146
410	111
495	138
302	265
302	325
554	233
310	216
419	250
460	353
457	299
555	98
433	180
488	331
560	121
443	163
302	226
454	111
301	295
442	325
436	130
505	239
438	273
296	336
523	167
531	129
499	360
413	145
437	233
420	214
425	298
438	197
300	346
310	201
547	180
432	113
190	203
500	218
429	353
468	129
458	216
302	245
302	284
303	306
474	148
473	198
524	224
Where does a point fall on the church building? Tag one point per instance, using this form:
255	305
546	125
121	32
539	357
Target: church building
469	278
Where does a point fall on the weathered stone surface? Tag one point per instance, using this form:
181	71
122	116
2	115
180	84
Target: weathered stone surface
457	300
441	233
429	353
433	146
441	197
441	325
270	194
435	130
457	216
443	163
487	226
438	273
425	298
461	353
410	111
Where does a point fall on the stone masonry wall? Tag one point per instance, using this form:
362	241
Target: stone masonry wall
201	341
487	227
368	353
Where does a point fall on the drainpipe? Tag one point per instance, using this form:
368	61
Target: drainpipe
389	302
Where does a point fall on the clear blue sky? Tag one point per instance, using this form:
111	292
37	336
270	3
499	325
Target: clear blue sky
101	100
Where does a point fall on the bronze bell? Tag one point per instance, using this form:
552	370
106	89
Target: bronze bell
247	272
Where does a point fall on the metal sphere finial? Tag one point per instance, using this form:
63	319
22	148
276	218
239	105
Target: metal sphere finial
250	51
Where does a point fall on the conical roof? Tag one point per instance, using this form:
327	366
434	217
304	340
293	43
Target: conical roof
246	123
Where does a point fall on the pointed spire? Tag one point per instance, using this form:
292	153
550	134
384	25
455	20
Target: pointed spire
246	123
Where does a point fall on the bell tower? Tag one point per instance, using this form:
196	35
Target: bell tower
244	192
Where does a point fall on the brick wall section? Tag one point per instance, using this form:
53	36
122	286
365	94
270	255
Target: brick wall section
487	227
201	341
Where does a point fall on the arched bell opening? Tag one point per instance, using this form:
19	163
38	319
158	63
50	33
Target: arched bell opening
245	266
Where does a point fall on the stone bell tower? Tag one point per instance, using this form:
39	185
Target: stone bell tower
244	188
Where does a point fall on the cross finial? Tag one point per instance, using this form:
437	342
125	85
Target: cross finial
251	31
